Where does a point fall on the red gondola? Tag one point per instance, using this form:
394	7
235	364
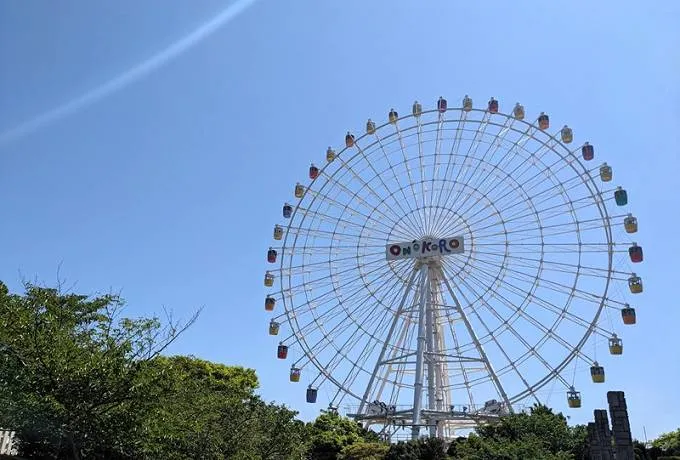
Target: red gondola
493	105
282	351
271	255
628	315
441	105
269	303
588	152
313	172
635	253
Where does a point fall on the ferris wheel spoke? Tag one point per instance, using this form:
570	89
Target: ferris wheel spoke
550	230
422	171
305	266
395	320
532	349
457	351
361	199
346	167
460	125
505	354
317	214
290	291
531	160
342	351
325	341
479	133
478	345
353	211
470	179
556	210
329	235
408	213
421	215
562	267
480	176
535	299
435	168
504	162
516	172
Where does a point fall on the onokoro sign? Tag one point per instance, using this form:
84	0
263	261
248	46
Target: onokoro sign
425	248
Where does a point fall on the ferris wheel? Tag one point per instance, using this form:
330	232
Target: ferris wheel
445	266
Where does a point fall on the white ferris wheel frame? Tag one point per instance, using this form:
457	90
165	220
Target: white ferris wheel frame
426	281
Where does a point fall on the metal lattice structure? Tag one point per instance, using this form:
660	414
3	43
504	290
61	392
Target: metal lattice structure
445	266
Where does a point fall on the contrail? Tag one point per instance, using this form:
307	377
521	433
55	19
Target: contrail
134	73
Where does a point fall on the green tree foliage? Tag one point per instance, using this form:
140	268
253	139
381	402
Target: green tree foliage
212	413
537	434
77	380
669	443
425	449
365	451
70	372
330	433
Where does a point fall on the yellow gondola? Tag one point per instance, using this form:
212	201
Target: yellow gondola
370	126
574	398
597	373
630	223
295	374
393	116
467	103
567	134
278	232
273	328
268	279
635	284
615	345
330	155
518	111
299	190
417	109
606	172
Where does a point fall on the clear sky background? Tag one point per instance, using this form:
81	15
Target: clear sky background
167	189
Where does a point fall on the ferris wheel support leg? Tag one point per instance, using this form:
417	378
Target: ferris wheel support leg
407	288
477	343
431	359
420	350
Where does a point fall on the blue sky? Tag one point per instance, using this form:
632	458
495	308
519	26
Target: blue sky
167	189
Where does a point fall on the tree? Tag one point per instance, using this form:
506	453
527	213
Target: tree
537	434
213	413
365	451
669	443
330	433
71	370
425	449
